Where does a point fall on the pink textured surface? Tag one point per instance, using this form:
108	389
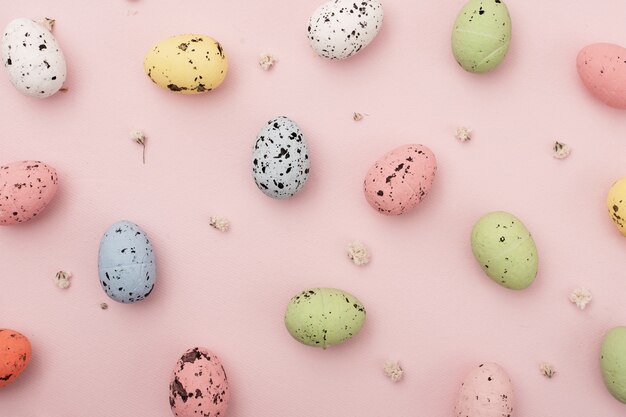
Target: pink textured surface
429	304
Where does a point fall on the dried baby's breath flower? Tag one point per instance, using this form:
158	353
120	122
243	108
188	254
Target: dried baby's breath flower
547	370
463	134
220	223
358	253
357	117
267	61
62	279
139	137
104	306
561	150
393	370
581	297
48	23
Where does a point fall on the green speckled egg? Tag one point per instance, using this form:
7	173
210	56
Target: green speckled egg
505	250
481	35
323	317
613	362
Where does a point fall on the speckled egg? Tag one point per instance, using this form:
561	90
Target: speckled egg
199	386
613	362
15	353
481	35
26	188
505	250
401	179
280	159
602	69
187	64
32	58
323	317
616	204
339	29
126	263
487	391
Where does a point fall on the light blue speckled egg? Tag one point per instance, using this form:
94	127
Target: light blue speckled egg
126	263
280	159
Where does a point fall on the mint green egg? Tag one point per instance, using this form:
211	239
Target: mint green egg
505	250
324	317
481	35
613	362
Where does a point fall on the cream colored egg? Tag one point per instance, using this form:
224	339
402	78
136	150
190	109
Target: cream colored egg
187	64
616	204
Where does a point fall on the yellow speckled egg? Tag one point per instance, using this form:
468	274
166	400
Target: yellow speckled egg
188	64
616	203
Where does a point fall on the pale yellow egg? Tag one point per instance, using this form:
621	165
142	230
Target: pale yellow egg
187	64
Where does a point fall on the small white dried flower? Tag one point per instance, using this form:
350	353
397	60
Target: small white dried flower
393	370
220	223
48	23
581	297
463	134
561	150
358	253
104	306
547	370
266	61
139	137
62	279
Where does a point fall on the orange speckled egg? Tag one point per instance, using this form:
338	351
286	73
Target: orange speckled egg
15	353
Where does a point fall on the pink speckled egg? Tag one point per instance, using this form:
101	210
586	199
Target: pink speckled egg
486	392
199	386
399	180
602	68
26	188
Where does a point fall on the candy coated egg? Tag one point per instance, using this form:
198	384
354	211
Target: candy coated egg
126	263
613	362
187	64
323	317
602	69
505	250
400	180
280	159
199	386
486	391
481	35
26	188
339	29
15	353
32	58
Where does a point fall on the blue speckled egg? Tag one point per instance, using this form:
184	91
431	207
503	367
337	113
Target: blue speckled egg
280	159
126	263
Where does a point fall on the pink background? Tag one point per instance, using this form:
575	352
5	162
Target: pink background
428	302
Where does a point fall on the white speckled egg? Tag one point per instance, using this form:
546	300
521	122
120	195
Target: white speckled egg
486	391
341	28
280	159
33	59
126	263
